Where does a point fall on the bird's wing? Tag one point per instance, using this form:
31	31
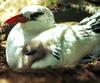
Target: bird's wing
15	42
93	22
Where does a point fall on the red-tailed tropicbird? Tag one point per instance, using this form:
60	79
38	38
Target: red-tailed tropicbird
31	21
57	47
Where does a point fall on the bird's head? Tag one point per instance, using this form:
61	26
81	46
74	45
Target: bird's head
33	13
34	50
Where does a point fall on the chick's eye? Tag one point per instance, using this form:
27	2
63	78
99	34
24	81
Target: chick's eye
31	52
27	50
35	15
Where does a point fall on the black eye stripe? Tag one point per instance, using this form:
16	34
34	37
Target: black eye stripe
35	15
31	52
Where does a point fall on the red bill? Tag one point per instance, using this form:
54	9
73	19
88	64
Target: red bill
17	19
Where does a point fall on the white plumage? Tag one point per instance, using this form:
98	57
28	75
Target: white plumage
57	47
24	32
66	45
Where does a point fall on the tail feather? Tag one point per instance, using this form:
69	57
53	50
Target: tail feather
93	22
96	27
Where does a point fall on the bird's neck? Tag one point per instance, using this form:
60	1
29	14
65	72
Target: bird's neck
34	27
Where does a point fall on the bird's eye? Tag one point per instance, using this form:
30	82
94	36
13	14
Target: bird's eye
27	50
35	15
31	52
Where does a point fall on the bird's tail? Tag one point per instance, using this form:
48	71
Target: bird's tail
93	22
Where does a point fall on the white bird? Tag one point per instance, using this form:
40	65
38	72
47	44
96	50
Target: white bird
57	47
31	21
63	45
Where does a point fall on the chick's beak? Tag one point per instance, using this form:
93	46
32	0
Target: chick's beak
17	19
